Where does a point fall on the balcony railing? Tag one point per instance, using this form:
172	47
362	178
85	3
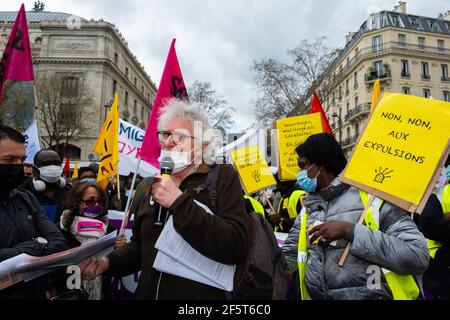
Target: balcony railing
405	74
358	111
445	79
383	75
426	77
394	46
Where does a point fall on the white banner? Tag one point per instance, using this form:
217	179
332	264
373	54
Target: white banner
130	142
255	137
31	142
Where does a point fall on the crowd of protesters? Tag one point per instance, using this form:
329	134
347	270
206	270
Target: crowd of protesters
41	213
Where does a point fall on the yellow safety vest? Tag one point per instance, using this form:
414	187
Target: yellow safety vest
403	287
444	197
290	204
257	206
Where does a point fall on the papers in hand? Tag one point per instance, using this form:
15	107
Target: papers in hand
177	257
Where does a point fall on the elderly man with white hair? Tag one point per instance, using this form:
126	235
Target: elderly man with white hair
185	136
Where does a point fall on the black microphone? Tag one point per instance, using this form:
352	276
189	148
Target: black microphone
167	166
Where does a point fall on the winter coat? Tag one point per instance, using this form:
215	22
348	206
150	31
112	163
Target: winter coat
22	220
397	246
221	237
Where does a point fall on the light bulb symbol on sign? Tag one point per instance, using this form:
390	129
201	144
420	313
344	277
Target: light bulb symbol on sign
381	174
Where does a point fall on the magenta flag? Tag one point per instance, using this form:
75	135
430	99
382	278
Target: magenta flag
16	62
170	86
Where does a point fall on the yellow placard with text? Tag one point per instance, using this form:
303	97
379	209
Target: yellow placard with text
253	170
399	152
290	133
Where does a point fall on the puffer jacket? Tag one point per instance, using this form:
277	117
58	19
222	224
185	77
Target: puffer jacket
397	246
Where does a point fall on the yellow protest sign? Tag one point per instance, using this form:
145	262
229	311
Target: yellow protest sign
253	170
398	155
290	133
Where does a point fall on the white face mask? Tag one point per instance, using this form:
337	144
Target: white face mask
180	159
130	193
50	174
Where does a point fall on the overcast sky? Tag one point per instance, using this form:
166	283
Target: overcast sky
217	41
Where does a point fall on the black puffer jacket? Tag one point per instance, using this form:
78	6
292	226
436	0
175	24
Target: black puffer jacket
22	220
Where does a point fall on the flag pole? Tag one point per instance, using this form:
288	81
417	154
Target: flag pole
127	206
118	182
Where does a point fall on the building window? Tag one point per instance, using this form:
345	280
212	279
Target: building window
142	89
346	87
425	71
135	107
356	101
348	132
356	129
440	44
444	72
406	90
405	68
355	80
68	112
426	93
340	93
377	43
348	108
421	43
126	98
434	26
116	58
356	52
69	87
378	68
114	89
401	40
415	24
126	72
446	95
135	82
142	112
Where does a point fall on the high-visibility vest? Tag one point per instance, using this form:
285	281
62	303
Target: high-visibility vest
443	194
257	206
403	287
290	203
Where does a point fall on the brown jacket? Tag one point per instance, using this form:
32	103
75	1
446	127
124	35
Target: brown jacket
221	237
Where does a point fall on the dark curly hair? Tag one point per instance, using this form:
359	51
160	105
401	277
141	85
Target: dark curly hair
75	197
323	150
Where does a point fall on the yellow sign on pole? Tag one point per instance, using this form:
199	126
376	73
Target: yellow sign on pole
253	170
290	133
398	156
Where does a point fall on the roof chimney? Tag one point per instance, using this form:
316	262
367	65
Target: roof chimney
445	15
401	7
348	37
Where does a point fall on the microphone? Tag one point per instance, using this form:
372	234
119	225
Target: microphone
167	166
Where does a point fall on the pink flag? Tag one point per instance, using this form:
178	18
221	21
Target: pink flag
171	85
16	62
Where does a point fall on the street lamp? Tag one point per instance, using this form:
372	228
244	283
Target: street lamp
335	115
107	105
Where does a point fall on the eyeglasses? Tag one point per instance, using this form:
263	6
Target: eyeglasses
177	138
92	201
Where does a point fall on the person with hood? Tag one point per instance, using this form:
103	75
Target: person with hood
49	188
384	252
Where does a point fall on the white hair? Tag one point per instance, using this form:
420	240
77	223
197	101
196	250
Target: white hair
194	113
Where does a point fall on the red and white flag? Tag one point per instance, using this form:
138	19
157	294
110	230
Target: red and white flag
171	86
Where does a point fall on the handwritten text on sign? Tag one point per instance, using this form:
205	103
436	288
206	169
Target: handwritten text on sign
401	146
291	132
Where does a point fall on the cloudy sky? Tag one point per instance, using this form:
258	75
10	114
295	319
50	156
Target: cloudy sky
217	41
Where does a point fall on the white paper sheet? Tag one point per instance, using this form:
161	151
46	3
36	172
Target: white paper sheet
173	245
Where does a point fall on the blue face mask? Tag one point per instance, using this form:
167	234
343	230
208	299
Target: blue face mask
306	183
89	180
447	172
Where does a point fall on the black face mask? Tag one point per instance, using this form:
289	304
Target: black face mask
11	175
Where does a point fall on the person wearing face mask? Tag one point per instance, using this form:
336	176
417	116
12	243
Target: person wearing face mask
24	227
85	220
87	174
222	236
434	222
329	219
49	188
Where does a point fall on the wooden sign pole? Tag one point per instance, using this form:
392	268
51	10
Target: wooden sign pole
268	201
360	221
